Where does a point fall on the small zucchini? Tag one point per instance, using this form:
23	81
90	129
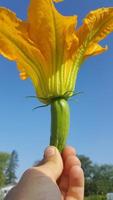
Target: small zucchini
60	122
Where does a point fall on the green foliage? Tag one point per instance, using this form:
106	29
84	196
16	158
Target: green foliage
8	165
98	179
103	178
95	197
4	158
2	179
87	165
11	169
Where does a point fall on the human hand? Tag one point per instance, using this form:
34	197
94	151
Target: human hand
59	177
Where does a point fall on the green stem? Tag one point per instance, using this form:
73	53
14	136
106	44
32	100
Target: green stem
60	122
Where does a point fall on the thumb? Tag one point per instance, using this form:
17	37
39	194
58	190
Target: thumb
52	163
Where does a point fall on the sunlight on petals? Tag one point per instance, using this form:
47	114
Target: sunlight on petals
49	48
56	1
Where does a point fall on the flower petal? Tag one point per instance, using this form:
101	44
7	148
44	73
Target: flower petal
94	49
48	29
14	45
97	25
23	72
56	1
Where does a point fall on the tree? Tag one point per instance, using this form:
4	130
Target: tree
103	179
98	178
87	165
4	158
11	169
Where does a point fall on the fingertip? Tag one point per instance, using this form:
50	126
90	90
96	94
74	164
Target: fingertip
68	150
53	164
71	161
49	151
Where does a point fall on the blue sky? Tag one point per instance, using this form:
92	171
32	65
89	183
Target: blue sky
91	130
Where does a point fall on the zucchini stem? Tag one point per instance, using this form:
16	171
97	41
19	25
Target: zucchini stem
60	123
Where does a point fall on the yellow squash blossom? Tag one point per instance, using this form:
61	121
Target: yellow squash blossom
49	49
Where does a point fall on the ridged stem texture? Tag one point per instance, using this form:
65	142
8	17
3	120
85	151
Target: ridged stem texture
60	123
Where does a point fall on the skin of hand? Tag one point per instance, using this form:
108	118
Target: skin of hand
58	177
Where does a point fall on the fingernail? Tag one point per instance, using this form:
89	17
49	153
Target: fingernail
50	151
